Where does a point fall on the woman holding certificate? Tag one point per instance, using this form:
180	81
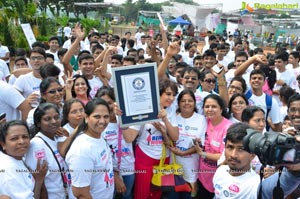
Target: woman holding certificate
151	136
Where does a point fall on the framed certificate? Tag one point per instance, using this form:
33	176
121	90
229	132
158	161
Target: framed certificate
137	93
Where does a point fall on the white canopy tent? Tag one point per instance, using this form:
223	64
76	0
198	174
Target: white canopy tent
197	14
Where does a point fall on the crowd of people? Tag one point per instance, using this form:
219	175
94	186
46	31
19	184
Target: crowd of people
61	138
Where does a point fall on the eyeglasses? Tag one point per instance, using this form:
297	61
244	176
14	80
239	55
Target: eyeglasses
294	110
192	78
53	91
210	81
236	88
77	111
38	58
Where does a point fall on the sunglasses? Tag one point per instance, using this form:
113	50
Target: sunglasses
53	91
210	81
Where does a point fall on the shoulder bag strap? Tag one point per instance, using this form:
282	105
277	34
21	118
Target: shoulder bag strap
61	171
119	152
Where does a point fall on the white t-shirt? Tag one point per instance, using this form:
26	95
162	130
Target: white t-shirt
53	180
190	129
10	100
296	71
4	71
16	181
230	75
90	161
110	134
288	77
138	36
200	99
261	102
12	79
227	186
67	31
150	139
56	59
3	51
27	84
95	84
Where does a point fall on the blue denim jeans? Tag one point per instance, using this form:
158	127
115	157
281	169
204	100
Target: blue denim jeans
129	182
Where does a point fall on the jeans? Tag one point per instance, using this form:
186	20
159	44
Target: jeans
129	182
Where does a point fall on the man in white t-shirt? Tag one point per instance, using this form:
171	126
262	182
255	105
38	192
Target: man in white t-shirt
283	76
67	31
53	48
138	35
258	98
86	64
294	58
236	179
30	82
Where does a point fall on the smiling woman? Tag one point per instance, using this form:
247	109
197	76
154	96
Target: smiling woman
89	156
43	147
16	179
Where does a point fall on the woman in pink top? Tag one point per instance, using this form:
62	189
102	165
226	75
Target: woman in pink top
217	125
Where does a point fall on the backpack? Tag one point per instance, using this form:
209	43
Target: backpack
268	103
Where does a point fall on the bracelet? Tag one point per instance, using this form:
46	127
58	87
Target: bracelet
123	129
221	83
203	155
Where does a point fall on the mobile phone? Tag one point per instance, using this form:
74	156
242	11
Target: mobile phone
2	116
217	69
195	142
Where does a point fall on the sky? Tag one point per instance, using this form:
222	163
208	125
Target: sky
227	5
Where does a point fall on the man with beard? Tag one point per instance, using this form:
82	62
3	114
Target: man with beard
238	180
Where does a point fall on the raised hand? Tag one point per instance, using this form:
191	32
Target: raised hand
173	49
79	31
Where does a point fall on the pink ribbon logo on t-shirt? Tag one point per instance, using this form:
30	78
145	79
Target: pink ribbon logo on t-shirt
40	154
234	188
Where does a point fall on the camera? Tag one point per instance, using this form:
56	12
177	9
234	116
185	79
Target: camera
272	148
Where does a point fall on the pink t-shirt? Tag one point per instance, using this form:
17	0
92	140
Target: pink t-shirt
266	89
214	143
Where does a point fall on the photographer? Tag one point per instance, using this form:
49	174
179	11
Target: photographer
241	181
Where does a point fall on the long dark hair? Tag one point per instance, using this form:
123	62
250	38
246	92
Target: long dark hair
89	109
270	75
75	77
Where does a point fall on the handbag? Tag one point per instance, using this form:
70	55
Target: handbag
169	177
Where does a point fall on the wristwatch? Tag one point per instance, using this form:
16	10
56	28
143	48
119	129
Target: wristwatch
203	155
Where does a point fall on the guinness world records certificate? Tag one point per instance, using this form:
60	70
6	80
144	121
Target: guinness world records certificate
136	90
